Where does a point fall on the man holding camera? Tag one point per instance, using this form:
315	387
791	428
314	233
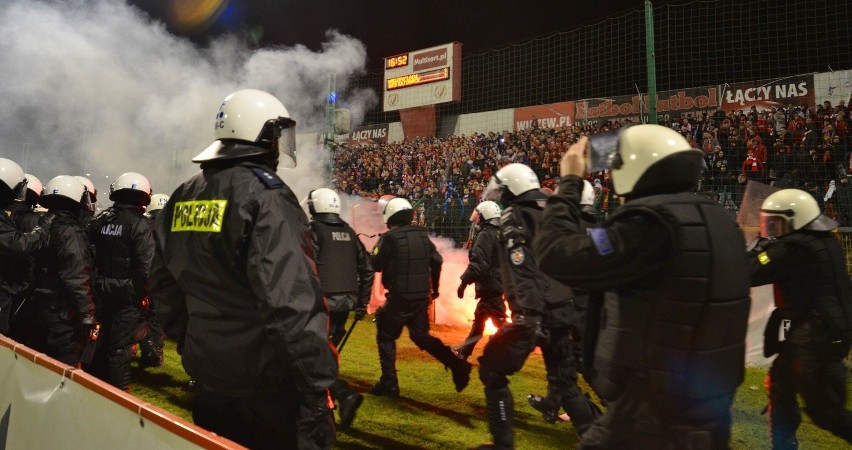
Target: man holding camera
671	338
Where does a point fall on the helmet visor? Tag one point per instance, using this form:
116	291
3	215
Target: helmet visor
20	191
494	189
285	140
772	225
86	201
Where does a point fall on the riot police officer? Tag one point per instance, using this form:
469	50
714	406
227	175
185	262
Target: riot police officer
671	343
346	276
549	405
124	248
540	313
411	269
66	325
483	271
798	252
15	246
19	272
237	286
152	345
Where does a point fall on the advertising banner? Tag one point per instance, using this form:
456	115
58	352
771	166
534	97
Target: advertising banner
554	115
632	107
764	94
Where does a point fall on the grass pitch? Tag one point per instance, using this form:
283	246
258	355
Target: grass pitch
431	415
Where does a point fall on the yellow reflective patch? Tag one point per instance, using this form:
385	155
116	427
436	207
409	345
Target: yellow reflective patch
199	215
375	250
763	258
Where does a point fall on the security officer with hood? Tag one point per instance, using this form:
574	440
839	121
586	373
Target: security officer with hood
671	343
15	246
798	252
124	248
346	276
20	271
411	269
237	286
484	273
541	312
66	325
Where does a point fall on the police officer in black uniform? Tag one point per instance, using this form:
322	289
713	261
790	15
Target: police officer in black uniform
346	276
16	245
411	269
798	252
237	286
152	345
483	271
671	343
549	405
541	311
124	248
65	328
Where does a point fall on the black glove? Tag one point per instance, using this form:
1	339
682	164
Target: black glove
758	245
86	325
532	323
462	287
360	312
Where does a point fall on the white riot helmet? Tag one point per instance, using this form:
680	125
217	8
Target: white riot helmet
323	200
34	188
654	159
790	210
132	188
256	123
158	201
587	198
66	192
398	211
515	178
13	181
486	211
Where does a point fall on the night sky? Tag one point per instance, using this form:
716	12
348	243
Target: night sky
392	27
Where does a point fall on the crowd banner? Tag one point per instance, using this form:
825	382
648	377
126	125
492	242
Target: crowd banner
369	134
632	107
47	404
764	94
833	87
553	115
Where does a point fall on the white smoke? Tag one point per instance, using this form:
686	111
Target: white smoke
97	87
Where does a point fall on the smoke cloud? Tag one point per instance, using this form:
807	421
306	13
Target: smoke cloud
97	87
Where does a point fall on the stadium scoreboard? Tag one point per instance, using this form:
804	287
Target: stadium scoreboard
423	77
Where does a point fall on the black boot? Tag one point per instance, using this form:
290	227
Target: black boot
500	406
459	367
387	386
581	409
348	401
118	368
548	408
152	356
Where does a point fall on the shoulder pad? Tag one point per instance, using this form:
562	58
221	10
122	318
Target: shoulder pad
268	178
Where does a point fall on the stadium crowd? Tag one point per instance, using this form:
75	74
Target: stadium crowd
792	146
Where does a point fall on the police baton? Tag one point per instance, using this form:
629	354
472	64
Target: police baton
346	338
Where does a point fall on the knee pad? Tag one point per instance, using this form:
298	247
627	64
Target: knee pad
492	380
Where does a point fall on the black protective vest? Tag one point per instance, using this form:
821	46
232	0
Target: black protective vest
337	258
683	332
830	291
408	275
111	237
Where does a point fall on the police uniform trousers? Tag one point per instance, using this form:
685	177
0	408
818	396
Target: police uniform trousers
640	419
812	367
487	308
397	314
122	325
